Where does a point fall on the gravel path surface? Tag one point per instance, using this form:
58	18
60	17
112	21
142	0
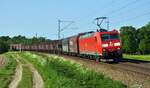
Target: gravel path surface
17	77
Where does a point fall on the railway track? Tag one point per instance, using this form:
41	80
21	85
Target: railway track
142	67
138	68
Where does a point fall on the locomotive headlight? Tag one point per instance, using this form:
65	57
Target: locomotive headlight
117	44
104	45
118	48
104	50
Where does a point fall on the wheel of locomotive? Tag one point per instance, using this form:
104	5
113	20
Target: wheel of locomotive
116	60
97	58
90	57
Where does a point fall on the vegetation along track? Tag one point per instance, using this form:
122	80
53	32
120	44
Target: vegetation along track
62	73
130	73
139	66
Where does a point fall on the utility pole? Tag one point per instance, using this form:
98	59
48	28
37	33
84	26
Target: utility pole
36	35
61	29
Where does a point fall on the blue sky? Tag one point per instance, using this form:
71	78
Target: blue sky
28	17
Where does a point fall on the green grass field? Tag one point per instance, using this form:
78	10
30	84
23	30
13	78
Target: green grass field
137	57
7	71
58	73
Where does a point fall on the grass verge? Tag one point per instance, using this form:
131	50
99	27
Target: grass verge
59	73
137	57
7	71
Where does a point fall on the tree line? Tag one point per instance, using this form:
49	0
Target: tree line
136	41
5	41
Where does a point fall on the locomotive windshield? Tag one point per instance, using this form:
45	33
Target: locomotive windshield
105	37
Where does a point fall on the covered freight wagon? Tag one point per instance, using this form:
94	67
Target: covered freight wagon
57	46
73	45
65	45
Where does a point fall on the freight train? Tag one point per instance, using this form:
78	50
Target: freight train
99	45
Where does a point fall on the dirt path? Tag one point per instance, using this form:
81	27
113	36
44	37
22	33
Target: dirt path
3	60
17	77
37	79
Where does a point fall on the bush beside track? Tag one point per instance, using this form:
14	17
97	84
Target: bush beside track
59	73
137	57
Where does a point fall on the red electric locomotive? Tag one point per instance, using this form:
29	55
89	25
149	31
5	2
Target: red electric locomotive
105	45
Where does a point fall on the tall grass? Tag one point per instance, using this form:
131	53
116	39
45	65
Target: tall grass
59	73
7	71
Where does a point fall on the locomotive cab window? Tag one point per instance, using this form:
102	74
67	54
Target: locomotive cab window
105	37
